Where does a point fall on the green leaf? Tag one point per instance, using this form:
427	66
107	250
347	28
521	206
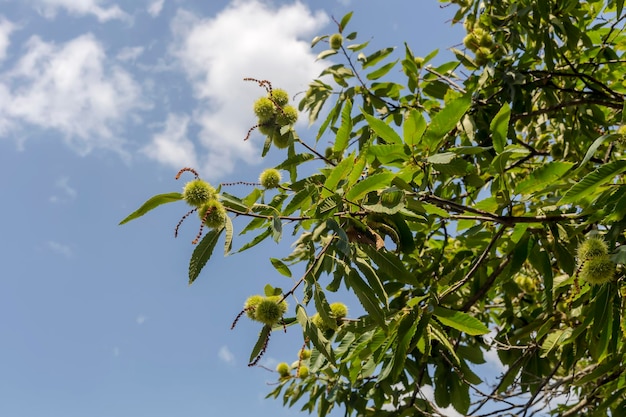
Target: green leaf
277	228
295	160
374	75
414	127
202	253
264	335
595	145
228	243
374	58
344	131
406	331
280	267
344	22
338	173
382	129
542	177
554	340
460	321
233	202
152	203
587	186
500	126
326	54
367	298
258	239
439	334
444	121
391	264
441	158
373	279
371	183
322	307
314	334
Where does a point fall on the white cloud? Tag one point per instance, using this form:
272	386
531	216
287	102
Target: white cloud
50	8
171	147
6	27
247	39
129	53
71	88
68	193
154	9
60	248
141	319
116	351
226	355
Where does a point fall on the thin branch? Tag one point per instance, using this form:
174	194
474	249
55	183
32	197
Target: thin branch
476	265
487	285
446	79
541	386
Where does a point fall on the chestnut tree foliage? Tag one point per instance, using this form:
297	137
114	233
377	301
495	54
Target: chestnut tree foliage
472	206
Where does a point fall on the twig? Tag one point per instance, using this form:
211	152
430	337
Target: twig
476	265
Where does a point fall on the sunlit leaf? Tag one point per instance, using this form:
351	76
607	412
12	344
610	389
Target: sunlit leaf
152	203
382	129
344	131
460	321
592	181
280	267
370	183
500	126
444	121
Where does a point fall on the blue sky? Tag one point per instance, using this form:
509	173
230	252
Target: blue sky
101	103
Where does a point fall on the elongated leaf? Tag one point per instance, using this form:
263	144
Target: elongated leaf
444	121
331	118
389	154
233	202
374	75
439	334
370	183
261	342
277	228
299	199
322	307
595	145
344	21
500	127
382	129
281	267
367	298
152	203
592	181
374	58
414	127
228	243
553	340
406	331
343	133
391	265
258	239
338	173
326	53
357	170
460	321
373	280
202	253
315	335
545	175
295	160
441	158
